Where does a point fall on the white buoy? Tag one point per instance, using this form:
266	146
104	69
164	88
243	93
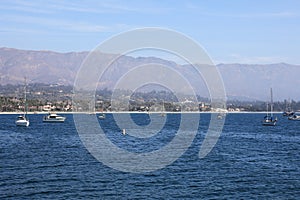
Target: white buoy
124	131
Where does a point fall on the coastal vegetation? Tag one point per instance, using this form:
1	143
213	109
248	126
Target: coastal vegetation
53	97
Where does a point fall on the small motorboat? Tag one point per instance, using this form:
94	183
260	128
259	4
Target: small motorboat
294	117
53	117
101	116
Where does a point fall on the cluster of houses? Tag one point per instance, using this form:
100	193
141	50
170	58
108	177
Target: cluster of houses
67	106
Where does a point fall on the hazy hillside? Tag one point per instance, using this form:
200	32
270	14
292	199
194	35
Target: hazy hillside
38	66
241	81
254	81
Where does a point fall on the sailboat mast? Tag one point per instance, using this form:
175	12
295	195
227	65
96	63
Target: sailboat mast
271	102
25	97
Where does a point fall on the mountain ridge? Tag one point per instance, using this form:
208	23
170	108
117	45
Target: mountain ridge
248	80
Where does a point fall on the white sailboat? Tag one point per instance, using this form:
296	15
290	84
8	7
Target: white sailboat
22	120
102	115
288	110
269	120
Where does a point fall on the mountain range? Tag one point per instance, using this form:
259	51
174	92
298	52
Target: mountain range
241	81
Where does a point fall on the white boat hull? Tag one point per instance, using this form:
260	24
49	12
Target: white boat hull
295	118
53	121
271	123
101	116
22	122
54	118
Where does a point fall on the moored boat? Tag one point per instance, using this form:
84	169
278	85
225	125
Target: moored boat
288	110
288	113
101	116
269	120
53	117
22	119
294	117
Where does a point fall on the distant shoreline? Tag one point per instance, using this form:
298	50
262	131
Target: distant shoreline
137	112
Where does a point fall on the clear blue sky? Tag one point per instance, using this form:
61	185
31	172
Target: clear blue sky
243	31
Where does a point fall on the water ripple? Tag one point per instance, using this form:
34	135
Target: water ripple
48	161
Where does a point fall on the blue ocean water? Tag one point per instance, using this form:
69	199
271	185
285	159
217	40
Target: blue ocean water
249	161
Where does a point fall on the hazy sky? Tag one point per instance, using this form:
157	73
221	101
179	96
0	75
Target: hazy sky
254	31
